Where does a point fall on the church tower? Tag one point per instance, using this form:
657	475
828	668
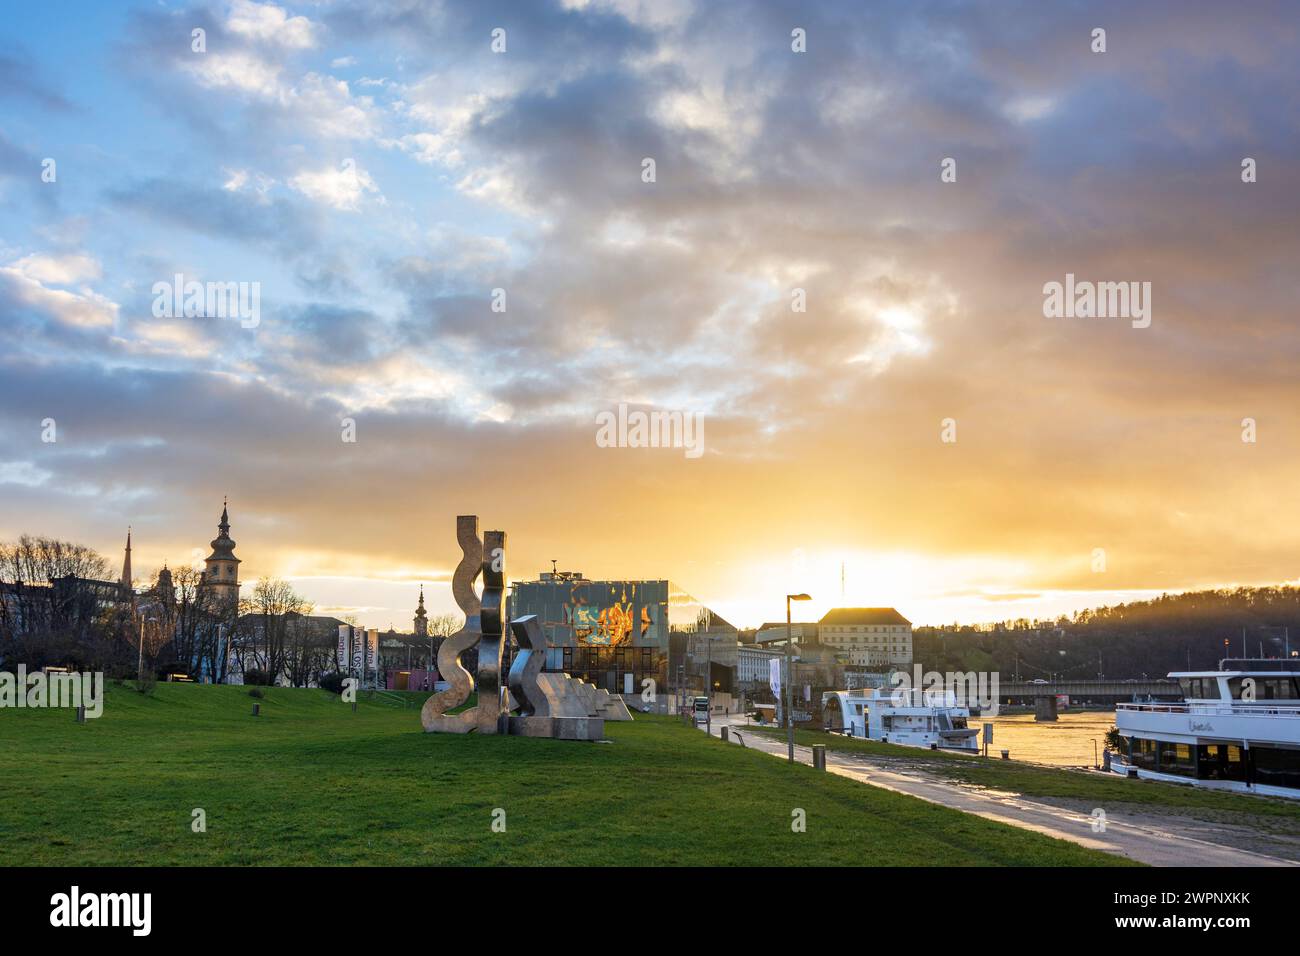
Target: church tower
128	594
221	574
126	564
421	617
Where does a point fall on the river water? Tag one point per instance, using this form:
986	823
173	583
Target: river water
1065	743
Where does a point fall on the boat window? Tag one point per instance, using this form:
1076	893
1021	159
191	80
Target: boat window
1144	753
1220	762
1267	688
1199	688
1277	767
1175	758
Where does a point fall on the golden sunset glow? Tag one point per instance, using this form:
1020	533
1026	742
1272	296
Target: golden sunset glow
836	265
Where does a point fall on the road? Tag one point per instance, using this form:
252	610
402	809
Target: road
1159	842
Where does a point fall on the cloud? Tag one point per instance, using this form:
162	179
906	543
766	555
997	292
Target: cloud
240	179
236	215
342	187
28	281
21	79
60	269
776	171
267	23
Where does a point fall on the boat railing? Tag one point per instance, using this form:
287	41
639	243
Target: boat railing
1217	710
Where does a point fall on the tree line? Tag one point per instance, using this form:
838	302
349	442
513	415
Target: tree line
59	607
1173	632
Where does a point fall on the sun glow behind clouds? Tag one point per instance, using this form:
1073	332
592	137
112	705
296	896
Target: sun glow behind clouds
900	330
925	589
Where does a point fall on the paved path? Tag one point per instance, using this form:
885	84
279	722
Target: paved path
1163	843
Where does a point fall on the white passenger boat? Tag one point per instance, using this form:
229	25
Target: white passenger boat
1238	728
914	717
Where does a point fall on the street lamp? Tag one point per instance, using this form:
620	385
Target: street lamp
789	668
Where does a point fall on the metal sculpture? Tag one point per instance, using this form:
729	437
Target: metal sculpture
550	705
491	708
434	714
527	667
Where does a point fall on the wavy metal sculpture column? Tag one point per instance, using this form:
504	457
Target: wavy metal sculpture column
491	708
526	667
434	714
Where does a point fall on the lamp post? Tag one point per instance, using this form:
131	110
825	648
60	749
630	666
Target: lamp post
708	691
789	670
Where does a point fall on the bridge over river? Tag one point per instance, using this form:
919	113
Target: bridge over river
1109	691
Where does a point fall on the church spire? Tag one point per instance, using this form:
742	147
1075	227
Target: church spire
221	574
421	617
126	561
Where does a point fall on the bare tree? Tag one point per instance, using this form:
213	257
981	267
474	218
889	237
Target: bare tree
441	627
309	650
201	625
30	603
42	621
273	606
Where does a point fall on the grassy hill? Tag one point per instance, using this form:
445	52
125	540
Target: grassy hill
311	782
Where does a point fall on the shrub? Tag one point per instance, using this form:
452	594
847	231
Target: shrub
331	681
255	675
256	693
146	682
1115	743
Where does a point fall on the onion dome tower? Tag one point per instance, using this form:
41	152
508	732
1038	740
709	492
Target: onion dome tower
421	617
221	574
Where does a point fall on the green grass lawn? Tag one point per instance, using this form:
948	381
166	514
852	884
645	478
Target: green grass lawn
311	782
1033	780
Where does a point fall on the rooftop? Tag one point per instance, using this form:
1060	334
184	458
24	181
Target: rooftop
864	615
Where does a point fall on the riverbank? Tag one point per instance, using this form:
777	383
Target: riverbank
1266	825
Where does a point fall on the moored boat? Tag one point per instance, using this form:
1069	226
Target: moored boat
914	717
1238	728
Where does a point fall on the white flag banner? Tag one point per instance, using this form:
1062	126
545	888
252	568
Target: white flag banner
344	633
358	652
774	675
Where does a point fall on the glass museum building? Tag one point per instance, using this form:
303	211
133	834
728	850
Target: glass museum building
614	634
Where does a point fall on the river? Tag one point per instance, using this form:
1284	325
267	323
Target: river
1065	743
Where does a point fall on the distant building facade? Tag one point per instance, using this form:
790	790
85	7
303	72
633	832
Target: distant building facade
868	636
618	634
754	670
776	632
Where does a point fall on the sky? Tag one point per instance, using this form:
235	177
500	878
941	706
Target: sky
462	263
